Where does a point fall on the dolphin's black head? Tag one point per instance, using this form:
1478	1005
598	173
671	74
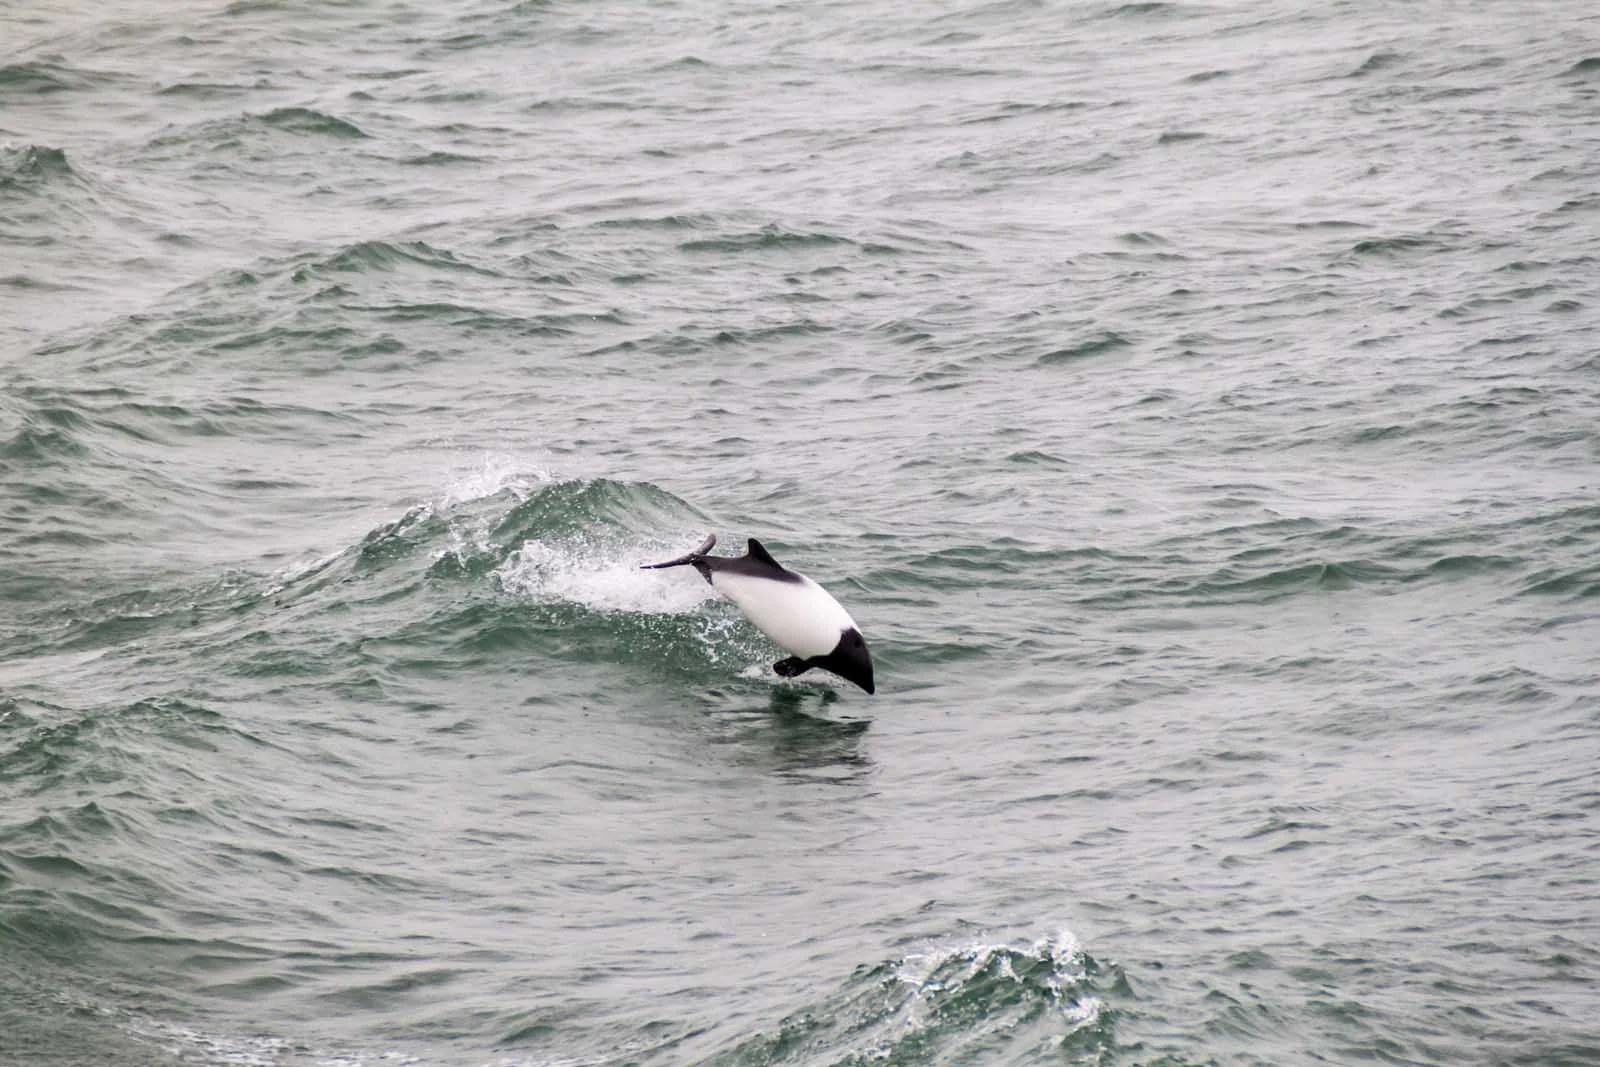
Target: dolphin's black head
850	659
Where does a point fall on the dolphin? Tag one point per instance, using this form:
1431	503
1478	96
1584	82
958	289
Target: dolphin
797	613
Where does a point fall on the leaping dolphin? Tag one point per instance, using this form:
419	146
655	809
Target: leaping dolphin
797	613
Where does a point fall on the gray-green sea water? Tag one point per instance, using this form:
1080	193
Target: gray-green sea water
1198	406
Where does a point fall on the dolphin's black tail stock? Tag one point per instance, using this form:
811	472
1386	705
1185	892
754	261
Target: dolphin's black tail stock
684	561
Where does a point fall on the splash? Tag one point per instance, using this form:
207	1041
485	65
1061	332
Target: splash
603	577
495	473
470	528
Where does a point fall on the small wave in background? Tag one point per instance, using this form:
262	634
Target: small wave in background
1195	405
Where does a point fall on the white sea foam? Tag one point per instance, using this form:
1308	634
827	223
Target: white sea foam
933	972
287	576
495	473
232	1050
603	577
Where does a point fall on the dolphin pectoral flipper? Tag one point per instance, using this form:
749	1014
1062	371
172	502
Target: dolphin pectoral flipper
684	561
791	666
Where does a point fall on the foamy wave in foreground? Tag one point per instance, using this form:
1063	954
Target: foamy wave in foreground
980	1002
1054	968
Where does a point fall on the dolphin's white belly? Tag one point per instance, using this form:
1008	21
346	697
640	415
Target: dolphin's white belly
800	617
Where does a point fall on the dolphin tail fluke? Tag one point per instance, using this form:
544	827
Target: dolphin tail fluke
684	561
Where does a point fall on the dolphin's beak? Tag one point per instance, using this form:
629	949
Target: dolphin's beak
850	660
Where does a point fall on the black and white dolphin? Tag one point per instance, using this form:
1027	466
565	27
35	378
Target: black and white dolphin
797	613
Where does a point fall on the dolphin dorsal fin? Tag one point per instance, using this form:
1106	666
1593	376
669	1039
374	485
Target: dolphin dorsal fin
761	555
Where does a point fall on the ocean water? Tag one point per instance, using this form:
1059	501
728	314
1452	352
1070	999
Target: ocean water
1198	405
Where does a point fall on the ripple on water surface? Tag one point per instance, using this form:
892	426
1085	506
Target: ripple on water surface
1207	452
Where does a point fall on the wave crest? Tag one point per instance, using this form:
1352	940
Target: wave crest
1033	1002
